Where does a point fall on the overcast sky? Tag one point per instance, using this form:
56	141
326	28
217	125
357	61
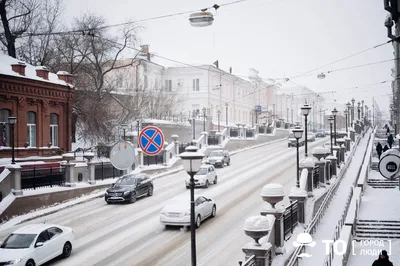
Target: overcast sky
279	38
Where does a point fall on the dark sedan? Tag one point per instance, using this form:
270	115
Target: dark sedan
130	187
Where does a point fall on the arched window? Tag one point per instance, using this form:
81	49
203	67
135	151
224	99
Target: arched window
54	129
31	125
4	128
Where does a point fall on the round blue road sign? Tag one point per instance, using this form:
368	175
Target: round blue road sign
151	140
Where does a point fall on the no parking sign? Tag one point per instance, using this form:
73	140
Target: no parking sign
151	140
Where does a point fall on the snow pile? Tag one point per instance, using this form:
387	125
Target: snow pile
257	223
272	190
297	192
308	162
380	204
320	150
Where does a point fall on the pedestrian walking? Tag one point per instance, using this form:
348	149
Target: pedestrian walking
390	140
385	148
379	149
387	130
383	260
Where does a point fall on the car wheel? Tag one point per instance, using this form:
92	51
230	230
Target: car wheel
30	263
229	162
133	198
67	250
150	191
207	184
214	211
198	221
215	180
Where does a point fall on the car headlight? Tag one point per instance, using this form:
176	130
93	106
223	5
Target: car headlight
13	262
126	193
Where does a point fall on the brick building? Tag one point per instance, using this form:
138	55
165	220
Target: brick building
42	102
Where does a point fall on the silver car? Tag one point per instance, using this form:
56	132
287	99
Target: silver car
219	158
204	177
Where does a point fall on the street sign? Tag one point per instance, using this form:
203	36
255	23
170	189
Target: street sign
151	140
258	109
389	164
122	155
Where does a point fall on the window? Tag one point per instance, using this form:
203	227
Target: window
43	237
4	127
54	129
196	84
31	126
168	85
54	231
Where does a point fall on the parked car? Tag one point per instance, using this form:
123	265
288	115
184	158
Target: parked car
177	212
320	134
36	244
292	140
219	158
310	137
130	187
204	177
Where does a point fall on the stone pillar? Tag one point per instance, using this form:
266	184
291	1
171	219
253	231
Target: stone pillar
321	172
328	174
352	135
337	149
342	153
347	144
69	169
301	196
175	139
219	135
205	134
309	164
140	155
165	154
15	171
92	178
262	253
333	163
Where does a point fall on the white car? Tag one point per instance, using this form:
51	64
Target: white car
204	177
177	213
36	244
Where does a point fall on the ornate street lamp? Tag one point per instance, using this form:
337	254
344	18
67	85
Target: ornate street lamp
138	128
305	110
331	120
346	114
358	110
334	113
362	109
191	160
226	112
352	111
204	118
298	133
219	115
12	120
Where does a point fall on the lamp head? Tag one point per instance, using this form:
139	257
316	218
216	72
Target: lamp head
305	109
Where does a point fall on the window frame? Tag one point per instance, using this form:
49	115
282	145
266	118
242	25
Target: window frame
31	136
6	134
54	130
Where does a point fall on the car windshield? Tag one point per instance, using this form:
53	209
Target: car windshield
202	171
125	181
18	241
216	154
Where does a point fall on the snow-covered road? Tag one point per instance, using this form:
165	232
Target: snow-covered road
131	234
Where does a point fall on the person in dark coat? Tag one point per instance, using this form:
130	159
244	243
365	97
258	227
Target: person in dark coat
385	148
383	260
387	130
379	149
390	140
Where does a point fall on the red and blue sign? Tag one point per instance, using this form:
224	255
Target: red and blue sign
151	140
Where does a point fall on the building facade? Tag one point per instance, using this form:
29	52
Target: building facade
42	103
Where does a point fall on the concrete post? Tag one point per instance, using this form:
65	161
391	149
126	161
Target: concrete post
92	178
205	134
219	135
328	174
278	227
337	149
321	172
342	153
15	170
69	169
165	159
352	135
262	253
347	144
301	196
333	164
309	164
175	139
140	155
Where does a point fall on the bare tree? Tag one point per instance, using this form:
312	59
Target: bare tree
16	18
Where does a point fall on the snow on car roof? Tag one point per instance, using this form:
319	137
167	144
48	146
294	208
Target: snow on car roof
34	228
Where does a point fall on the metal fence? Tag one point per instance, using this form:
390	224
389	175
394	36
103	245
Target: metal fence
262	130
290	219
182	147
212	140
106	170
250	134
251	261
45	177
153	159
315	175
234	132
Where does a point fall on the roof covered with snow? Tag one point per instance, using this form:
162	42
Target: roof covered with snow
30	71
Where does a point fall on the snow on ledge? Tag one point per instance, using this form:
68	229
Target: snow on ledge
308	162
297	192
272	190
257	223
4	174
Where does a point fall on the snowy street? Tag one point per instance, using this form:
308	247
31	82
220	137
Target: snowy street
131	234
335	209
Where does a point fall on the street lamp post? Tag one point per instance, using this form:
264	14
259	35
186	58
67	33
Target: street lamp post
346	114
124	127
12	120
298	133
362	109
191	160
226	111
219	115
204	119
137	134
305	110
358	111
331	120
334	113
352	111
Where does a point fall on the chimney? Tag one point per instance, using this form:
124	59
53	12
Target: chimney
19	68
64	75
42	72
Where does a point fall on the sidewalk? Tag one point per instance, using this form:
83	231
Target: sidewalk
334	212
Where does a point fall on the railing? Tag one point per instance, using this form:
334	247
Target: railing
182	147
212	140
44	177
234	132
311	228
290	219
102	171
251	261
153	159
315	176
250	133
